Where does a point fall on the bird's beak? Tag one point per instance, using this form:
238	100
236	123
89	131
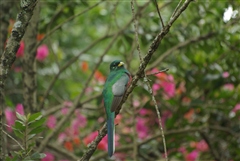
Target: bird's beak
120	64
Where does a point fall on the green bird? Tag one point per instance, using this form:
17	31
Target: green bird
113	92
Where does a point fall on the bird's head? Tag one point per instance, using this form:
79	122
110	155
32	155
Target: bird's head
116	64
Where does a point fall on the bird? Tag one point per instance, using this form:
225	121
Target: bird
114	89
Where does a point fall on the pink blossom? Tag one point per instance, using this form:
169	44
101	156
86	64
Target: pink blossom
225	74
155	88
182	150
236	108
101	119
169	88
20	51
10	118
67	104
141	127
192	156
75	124
61	137
202	146
136	103
64	110
82	120
19	109
51	122
42	53
49	157
144	111
228	87
17	69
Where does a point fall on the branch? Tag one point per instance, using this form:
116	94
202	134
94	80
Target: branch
62	151
178	46
29	65
67	20
148	84
8	56
170	132
92	147
76	102
4	21
159	14
65	66
13	139
212	149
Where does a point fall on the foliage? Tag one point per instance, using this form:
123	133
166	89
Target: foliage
199	97
26	129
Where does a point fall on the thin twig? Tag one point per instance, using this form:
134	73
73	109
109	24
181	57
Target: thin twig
13	139
67	20
92	146
148	84
179	46
174	12
65	66
159	14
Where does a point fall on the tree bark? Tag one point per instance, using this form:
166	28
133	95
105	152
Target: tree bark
9	54
29	64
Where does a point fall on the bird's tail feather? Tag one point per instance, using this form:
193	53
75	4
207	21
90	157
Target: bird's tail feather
111	132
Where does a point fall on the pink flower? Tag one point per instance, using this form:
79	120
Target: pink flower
144	111
182	150
169	88
225	74
67	104
228	87
103	143
20	51
51	122
19	109
10	118
82	120
136	103
192	156
42	53
155	88
236	108
141	127
64	110
61	137
49	157
202	146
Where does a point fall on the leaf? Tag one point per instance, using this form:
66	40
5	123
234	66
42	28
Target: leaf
19	125
37	130
21	117
38	155
35	116
30	136
18	133
37	123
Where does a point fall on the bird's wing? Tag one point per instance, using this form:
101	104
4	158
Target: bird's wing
118	90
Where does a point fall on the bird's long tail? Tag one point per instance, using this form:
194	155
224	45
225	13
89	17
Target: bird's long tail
111	132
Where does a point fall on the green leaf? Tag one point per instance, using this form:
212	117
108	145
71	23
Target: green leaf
37	130
18	133
35	116
19	125
21	117
38	155
30	136
37	123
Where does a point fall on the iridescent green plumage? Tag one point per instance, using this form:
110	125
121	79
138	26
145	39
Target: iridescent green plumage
114	89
